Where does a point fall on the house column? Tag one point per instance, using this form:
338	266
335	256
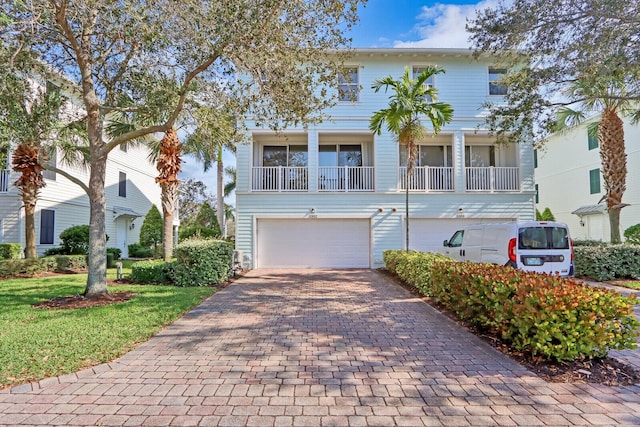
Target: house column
458	161
312	150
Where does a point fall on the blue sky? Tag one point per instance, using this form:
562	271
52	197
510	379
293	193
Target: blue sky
390	23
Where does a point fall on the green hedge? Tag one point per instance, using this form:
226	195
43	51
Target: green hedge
603	263
151	272
28	266
68	262
548	316
10	250
136	250
202	262
413	267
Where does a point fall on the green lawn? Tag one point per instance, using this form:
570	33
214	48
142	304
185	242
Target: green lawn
630	285
40	343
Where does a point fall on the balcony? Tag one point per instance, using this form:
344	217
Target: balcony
428	178
4	180
345	178
279	178
492	178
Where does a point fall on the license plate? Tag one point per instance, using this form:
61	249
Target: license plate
533	261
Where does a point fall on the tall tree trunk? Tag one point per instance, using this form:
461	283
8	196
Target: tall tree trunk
26	161
220	190
97	277
614	167
169	197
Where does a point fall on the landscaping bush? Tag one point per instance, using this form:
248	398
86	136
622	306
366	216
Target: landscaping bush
136	250
70	262
542	315
632	234
28	266
579	242
10	250
202	262
117	253
55	251
151	230
603	263
413	267
152	271
75	240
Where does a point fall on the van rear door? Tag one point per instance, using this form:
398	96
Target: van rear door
545	248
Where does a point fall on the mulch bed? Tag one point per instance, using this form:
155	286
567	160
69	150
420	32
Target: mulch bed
80	301
607	371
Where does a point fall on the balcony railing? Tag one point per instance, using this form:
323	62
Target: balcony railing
4	180
492	179
279	178
345	178
428	178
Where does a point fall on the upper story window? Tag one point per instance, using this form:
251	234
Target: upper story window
349	85
47	226
122	184
479	155
285	155
429	155
594	181
340	155
53	161
535	158
495	75
592	139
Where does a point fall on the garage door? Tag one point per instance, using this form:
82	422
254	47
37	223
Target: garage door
313	243
427	234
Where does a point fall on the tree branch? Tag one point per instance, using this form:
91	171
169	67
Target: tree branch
67	175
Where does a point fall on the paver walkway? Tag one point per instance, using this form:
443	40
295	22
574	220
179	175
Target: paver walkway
314	348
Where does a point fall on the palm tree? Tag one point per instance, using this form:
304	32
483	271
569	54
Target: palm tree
168	165
411	99
608	95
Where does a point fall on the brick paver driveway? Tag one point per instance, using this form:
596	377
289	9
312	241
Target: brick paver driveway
315	348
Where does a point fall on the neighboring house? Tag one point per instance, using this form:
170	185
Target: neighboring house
130	190
333	195
569	182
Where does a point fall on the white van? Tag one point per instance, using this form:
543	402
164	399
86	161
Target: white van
540	246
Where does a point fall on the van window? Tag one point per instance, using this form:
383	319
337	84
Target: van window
543	238
456	239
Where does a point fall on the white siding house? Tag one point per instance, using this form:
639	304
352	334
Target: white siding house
333	195
130	190
569	182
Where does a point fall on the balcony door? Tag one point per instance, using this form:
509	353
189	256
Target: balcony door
340	167
284	168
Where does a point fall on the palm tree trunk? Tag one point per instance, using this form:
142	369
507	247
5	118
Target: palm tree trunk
169	197
614	167
29	225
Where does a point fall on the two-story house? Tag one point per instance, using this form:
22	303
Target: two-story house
569	181
130	190
333	195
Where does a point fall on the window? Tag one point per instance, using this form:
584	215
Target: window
430	82
122	185
479	155
495	75
1	230
594	181
53	161
543	238
456	239
340	155
592	139
349	85
47	225
535	158
537	194
429	155
285	155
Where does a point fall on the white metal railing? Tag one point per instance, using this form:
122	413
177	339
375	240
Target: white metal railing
279	178
492	179
4	180
345	178
428	178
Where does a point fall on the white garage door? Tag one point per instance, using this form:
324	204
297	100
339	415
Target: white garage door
427	234
313	243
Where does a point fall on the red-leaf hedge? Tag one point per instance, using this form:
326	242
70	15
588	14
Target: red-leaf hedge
549	316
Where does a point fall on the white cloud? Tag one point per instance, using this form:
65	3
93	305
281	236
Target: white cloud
443	25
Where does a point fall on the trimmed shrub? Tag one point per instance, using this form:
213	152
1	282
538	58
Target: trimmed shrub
117	253
55	251
151	230
75	240
604	263
10	250
69	262
202	262
578	242
136	250
542	315
28	266
152	271
414	267
632	234
198	232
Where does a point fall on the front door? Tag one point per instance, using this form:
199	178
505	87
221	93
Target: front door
122	230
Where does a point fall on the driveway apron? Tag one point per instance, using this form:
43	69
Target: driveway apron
314	348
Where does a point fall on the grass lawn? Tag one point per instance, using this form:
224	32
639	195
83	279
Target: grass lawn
630	285
40	343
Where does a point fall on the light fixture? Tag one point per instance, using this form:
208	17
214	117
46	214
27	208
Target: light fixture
394	210
460	213
313	210
581	222
132	225
380	209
